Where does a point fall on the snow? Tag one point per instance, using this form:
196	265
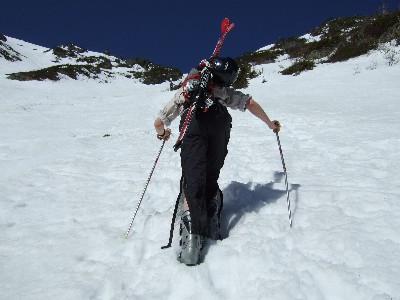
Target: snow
268	47
68	191
310	38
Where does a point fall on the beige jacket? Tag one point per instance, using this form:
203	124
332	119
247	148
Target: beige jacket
226	96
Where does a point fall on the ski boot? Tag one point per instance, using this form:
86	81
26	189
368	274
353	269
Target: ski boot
214	212
191	243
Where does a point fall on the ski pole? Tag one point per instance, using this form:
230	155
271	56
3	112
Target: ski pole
145	188
286	181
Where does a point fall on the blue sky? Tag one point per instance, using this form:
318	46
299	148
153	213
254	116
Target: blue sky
172	33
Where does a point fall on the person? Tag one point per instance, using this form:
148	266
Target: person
204	148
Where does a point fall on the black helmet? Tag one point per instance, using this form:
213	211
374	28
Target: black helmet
224	69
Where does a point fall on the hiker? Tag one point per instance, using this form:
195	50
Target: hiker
204	148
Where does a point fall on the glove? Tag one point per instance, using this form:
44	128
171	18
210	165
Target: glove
165	136
278	126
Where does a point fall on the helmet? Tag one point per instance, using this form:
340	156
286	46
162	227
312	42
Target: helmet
224	70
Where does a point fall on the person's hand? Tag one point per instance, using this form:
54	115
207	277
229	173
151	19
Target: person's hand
165	136
277	126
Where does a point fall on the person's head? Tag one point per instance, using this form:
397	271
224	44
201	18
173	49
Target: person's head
224	69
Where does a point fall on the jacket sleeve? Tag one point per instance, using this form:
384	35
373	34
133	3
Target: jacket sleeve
231	98
172	109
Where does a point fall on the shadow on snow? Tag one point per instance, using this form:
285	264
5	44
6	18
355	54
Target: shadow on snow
241	198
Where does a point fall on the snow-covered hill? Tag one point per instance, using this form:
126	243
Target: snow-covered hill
25	62
75	156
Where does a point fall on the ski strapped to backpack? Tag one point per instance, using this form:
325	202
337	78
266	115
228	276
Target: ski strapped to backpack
225	28
199	96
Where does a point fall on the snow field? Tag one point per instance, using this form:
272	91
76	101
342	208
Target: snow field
68	191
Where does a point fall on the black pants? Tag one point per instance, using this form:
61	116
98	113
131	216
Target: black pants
203	153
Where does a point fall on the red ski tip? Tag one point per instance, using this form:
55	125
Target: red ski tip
224	24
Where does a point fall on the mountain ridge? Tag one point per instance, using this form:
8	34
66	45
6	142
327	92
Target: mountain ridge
332	41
